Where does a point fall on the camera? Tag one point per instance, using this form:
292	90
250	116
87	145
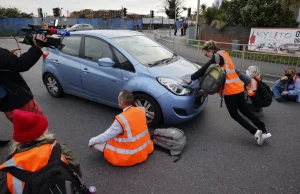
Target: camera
31	30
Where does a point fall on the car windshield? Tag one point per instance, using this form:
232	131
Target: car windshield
143	49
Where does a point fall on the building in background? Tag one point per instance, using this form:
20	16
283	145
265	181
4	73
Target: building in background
89	13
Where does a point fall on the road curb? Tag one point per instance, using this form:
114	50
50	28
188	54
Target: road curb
6	37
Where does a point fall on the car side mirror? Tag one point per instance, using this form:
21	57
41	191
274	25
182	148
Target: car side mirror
106	62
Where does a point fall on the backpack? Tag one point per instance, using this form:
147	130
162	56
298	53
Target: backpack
213	79
171	140
263	96
55	178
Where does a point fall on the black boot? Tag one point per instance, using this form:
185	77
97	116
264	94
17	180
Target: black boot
4	143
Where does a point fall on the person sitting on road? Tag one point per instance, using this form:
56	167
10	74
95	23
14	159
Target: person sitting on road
288	87
31	150
127	142
250	84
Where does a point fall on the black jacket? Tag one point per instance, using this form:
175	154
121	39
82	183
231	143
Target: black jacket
18	92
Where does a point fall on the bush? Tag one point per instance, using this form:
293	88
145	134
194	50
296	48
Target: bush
260	13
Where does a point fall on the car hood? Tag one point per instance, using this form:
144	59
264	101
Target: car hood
178	70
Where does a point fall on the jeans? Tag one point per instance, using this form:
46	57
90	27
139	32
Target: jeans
277	94
237	102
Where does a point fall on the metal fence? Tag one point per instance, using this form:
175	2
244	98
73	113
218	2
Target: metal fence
270	64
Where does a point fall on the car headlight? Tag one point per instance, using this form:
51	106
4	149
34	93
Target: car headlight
174	86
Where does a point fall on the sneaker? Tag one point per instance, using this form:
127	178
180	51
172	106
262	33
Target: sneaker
266	135
280	99
258	137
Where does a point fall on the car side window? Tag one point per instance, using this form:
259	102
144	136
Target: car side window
123	62
71	45
95	49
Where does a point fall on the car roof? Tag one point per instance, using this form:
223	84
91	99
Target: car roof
109	33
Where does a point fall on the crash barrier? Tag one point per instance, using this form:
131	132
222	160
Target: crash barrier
243	55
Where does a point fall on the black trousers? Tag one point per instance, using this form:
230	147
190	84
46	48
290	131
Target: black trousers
237	102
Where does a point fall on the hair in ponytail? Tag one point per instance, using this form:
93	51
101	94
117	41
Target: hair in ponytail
210	46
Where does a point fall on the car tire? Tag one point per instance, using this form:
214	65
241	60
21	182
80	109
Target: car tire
151	106
53	86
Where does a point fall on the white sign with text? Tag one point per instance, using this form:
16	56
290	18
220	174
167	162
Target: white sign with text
275	40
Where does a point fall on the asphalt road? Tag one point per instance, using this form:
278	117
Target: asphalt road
220	156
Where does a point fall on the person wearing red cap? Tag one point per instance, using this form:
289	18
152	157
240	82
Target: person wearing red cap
33	144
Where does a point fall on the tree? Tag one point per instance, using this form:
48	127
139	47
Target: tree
260	13
293	5
13	12
216	17
169	7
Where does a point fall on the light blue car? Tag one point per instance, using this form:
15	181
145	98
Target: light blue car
98	64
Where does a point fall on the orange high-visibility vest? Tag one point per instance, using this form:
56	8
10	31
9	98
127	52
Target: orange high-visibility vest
31	160
251	90
134	145
233	84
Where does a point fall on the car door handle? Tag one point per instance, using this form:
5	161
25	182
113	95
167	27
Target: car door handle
85	70
116	81
55	61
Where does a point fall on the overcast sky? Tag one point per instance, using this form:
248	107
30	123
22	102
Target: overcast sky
133	6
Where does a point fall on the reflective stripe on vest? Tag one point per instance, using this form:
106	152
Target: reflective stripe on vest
127	128
129	152
253	87
132	139
233	84
15	185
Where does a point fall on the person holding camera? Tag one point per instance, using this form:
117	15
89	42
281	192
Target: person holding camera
288	87
14	91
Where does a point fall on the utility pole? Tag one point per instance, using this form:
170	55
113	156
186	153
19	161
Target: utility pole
175	16
197	18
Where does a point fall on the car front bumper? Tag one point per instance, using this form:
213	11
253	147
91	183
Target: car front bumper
179	109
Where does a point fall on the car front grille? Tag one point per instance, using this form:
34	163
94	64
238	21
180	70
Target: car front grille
200	99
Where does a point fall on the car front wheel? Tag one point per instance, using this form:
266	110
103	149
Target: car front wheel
53	86
153	112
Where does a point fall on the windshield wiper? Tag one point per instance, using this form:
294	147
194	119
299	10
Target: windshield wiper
162	61
168	60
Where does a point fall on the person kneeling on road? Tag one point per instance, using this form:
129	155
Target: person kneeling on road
14	91
250	84
249	79
288	87
127	142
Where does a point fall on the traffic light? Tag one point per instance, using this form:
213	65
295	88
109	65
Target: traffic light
56	12
40	12
189	12
151	13
125	12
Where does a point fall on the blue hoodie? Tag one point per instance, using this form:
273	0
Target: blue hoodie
293	89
